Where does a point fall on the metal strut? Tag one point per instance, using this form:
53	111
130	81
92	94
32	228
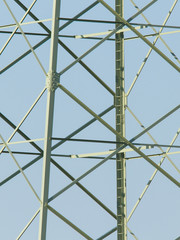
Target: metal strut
120	128
51	84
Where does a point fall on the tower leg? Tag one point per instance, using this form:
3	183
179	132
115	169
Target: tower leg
120	127
51	82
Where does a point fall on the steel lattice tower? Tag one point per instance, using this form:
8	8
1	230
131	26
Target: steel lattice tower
71	91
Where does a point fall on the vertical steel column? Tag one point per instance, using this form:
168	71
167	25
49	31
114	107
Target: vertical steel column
51	83
120	127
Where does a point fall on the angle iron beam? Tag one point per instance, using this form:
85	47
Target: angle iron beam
140	35
28	224
152	177
26	39
120	103
105	38
64	25
84	189
148	54
24	118
79	14
82	127
54	147
20	169
51	81
162	40
88	69
24	55
59	167
92	157
126	142
107	234
90	38
18	172
112	142
20	132
169	159
114	22
69	223
65	47
16	28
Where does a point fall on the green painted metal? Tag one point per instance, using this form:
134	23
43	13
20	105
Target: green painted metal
24	118
69	223
20	169
58	165
12	34
140	35
51	81
126	142
154	42
108	36
118	131
120	128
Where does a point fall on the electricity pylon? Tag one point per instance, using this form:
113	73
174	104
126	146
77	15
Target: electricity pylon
70	145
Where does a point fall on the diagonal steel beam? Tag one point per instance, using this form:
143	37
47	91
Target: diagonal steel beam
66	48
126	142
45	28
69	223
148	184
24	118
105	38
23	24
79	15
27	41
134	236
140	123
84	189
82	127
112	231
29	223
139	35
107	234
116	133
59	167
159	33
54	147
150	50
87	68
20	169
64	25
16	28
152	177
20	132
24	55
119	135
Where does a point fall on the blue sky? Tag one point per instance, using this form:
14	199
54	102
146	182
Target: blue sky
154	94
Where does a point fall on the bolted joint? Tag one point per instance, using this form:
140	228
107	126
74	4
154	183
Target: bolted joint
52	81
117	102
126	101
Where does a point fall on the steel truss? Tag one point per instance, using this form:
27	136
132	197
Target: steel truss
67	146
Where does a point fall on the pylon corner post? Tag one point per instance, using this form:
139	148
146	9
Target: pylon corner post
120	128
52	80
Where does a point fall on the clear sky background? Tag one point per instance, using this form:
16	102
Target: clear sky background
155	93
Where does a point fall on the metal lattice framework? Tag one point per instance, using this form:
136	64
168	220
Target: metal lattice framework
83	159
